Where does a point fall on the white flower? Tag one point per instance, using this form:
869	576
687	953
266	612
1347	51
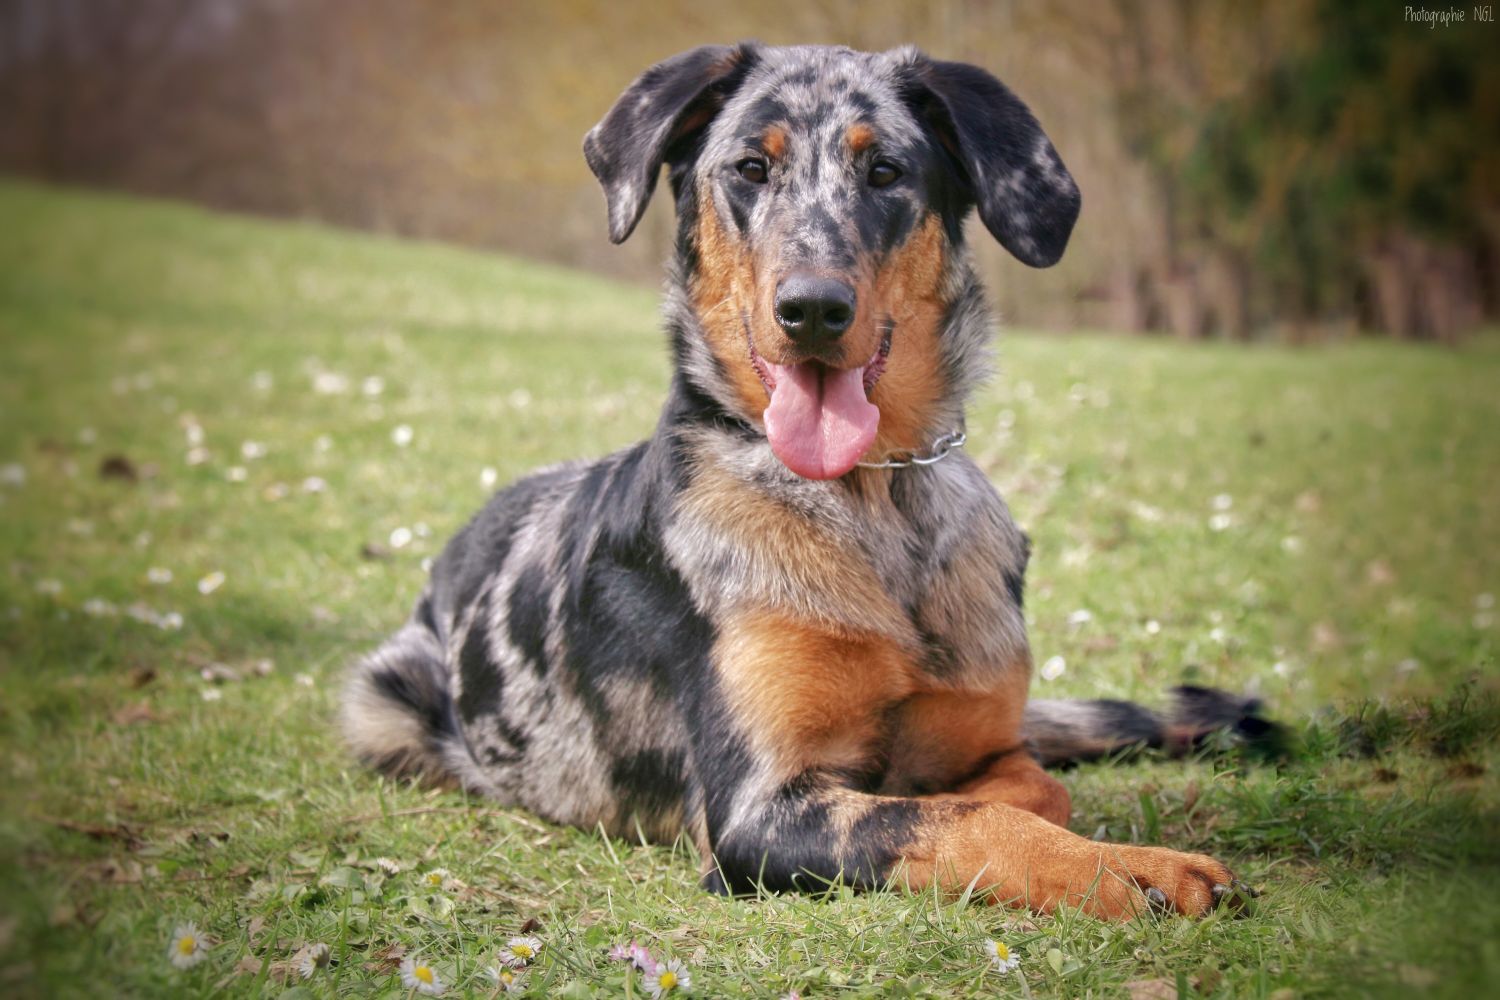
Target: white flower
194	434
262	381
330	383
1080	617
1153	627
253	449
212	694
312	958
158	575
400	537
1223	501
197	456
374	385
211	583
388	865
314	484
236	473
436	878
402	435
1220	522
1054	668
1000	956
49	587
488	477
506	978
13	474
520	951
669	977
418	975
188	947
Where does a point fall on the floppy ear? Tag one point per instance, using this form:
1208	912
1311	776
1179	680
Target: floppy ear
1026	197
670	102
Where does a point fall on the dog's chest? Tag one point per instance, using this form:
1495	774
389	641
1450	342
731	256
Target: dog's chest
921	562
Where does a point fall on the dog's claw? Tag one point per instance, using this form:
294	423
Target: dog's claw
1236	895
1157	900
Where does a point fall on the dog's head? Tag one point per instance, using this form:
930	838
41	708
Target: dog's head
821	194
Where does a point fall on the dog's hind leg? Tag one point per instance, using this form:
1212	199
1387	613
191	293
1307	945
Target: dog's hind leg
397	706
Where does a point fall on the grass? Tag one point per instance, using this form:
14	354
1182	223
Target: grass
1317	525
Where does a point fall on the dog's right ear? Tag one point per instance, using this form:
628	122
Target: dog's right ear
670	102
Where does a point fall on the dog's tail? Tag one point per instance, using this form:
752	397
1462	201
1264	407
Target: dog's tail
398	711
1065	732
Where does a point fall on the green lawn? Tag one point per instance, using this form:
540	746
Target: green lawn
1317	525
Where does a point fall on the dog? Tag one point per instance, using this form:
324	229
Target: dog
789	624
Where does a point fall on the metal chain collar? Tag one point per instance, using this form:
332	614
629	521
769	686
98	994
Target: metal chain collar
939	451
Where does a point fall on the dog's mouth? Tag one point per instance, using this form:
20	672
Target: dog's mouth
820	420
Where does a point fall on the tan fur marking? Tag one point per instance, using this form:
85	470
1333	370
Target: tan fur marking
773	142
1018	780
940	737
809	697
908	290
724	292
859	137
1021	858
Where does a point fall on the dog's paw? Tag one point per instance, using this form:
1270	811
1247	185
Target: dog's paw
1135	880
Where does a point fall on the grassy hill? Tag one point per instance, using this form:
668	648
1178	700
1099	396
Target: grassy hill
228	447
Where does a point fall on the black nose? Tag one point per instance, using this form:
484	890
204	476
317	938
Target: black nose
813	310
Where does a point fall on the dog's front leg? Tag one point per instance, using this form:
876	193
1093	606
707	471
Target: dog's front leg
804	838
784	808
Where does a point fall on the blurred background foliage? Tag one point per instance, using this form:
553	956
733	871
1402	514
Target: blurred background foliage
1298	169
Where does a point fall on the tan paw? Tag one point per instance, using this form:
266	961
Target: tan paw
1135	880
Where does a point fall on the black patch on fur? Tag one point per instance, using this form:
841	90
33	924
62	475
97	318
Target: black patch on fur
423	690
527	617
649	782
481	546
480	676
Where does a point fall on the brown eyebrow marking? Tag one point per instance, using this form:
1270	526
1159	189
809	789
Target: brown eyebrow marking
773	141
859	137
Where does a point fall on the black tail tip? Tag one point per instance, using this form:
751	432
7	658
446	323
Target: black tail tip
1201	714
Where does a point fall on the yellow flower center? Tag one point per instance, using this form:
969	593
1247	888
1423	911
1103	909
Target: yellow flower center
521	951
667	979
1002	952
507	977
433	878
423	973
187	945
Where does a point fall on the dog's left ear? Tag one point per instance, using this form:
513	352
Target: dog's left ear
1025	195
668	104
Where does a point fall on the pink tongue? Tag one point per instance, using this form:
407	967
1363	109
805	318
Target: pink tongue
819	420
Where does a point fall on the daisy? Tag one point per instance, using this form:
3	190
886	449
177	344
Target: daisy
312	958
436	878
418	975
1000	956
388	865
188	947
668	978
506	978
520	951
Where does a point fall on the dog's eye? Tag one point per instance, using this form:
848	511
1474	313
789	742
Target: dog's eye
884	174
752	170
